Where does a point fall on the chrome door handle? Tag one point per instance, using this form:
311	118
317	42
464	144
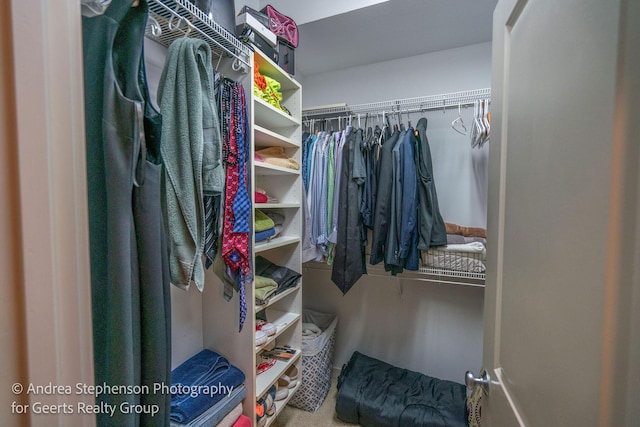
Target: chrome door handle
472	381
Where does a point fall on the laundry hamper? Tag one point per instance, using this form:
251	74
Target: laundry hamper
317	362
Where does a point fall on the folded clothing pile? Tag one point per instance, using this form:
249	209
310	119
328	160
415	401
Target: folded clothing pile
267	225
208	389
465	231
277	157
465	250
267	273
374	393
261	196
267	89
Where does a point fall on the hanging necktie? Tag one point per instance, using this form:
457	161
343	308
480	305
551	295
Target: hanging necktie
212	203
237	208
211	225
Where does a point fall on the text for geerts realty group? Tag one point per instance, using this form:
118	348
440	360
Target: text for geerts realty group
108	399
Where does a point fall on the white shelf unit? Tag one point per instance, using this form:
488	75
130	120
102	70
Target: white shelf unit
272	127
206	320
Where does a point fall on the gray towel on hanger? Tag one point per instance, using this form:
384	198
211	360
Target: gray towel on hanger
193	164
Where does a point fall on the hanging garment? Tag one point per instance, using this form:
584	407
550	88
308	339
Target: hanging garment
371	160
331	158
185	93
153	258
237	206
408	243
318	200
431	226
213	177
392	261
381	221
130	300
333	235
307	142
309	251
349	264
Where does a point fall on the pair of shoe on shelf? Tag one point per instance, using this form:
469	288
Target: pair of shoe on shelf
289	380
265	406
263	331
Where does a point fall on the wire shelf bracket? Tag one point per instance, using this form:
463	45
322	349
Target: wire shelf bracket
172	19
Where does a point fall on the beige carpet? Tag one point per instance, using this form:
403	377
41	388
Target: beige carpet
325	416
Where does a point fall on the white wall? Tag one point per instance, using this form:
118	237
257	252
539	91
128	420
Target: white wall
426	327
449	70
460	173
431	328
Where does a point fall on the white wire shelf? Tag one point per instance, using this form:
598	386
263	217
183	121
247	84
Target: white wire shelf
172	19
406	105
424	274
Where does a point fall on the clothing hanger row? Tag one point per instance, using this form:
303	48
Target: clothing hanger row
481	126
478	131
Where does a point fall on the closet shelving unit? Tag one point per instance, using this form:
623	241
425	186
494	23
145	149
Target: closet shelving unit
272	127
397	108
169	20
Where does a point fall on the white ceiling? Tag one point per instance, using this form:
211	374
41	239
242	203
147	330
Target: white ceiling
302	12
391	30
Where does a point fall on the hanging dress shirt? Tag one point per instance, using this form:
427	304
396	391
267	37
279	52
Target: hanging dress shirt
333	236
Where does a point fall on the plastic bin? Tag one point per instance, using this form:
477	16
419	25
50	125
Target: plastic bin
317	362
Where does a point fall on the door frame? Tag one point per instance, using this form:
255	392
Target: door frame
618	380
42	72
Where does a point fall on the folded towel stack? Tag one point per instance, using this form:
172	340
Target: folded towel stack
465	231
203	381
276	156
223	413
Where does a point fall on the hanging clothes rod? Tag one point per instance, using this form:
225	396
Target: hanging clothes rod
425	274
399	106
172	19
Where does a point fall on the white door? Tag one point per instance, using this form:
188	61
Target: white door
562	304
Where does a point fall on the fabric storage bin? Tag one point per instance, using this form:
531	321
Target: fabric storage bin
286	57
317	362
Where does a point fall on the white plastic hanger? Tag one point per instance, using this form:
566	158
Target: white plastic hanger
459	122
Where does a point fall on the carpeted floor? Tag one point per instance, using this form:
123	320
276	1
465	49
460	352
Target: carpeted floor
325	416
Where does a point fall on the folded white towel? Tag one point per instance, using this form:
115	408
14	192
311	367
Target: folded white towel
474	247
310	330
